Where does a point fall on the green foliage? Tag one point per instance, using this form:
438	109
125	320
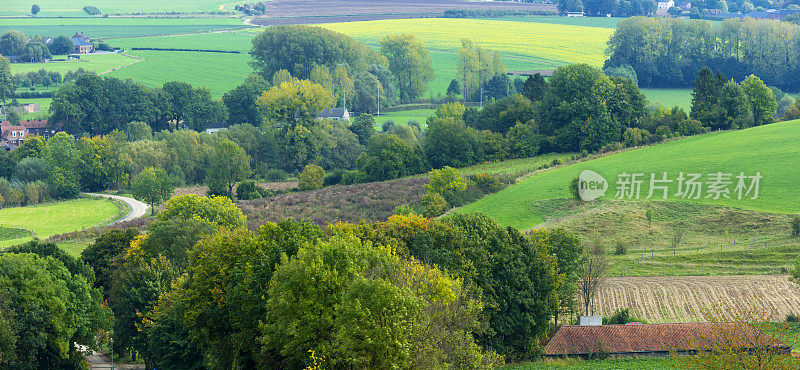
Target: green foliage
434	204
448	182
51	309
311	178
363	127
480	251
31	169
311	46
620	248
449	142
152	186
241	101
101	254
535	87
293	101
247	190
634	136
138	131
795	225
406	313
762	101
229	164
389	157
218	210
62	159
6	80
410	63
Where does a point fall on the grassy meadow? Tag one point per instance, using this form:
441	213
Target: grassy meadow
401	117
766	149
95	62
56	218
670	97
217	71
74	8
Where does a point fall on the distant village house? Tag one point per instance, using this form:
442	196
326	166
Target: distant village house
82	43
337	114
11	136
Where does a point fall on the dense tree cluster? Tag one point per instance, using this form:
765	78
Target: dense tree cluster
668	52
197	290
49	305
98	105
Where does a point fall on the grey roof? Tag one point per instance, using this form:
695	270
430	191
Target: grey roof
80	42
332	113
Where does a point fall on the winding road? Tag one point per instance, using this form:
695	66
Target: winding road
137	208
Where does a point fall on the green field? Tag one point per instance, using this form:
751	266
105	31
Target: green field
217	71
116	27
771	150
234	41
95	62
74	8
58	218
517	166
44	105
403	116
670	97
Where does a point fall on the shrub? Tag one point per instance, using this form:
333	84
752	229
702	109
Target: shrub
434	204
573	188
353	177
276	175
635	136
557	161
486	183
403	210
610	147
795	224
620	317
387	125
334	178
448	182
792	317
311	178
247	190
620	249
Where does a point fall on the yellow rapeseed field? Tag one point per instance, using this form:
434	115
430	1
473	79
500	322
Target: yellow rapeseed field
558	44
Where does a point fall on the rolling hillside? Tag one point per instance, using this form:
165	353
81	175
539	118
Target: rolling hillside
770	150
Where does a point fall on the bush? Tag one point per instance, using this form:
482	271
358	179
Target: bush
448	182
635	136
276	175
434	204
622	316
795	224
573	188
247	190
334	178
311	178
620	249
486	183
791	317
611	147
387	125
353	177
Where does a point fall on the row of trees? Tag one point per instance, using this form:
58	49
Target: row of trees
668	52
602	8
97	105
198	290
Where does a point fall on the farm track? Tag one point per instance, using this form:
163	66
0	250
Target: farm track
683	298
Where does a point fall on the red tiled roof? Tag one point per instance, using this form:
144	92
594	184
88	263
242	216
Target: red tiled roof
41	123
582	340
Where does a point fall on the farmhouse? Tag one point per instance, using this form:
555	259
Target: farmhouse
12	135
338	114
648	340
82	43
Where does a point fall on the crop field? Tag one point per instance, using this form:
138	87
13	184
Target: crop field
605	22
217	71
96	62
681	299
57	218
767	150
75	8
117	27
546	44
670	97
